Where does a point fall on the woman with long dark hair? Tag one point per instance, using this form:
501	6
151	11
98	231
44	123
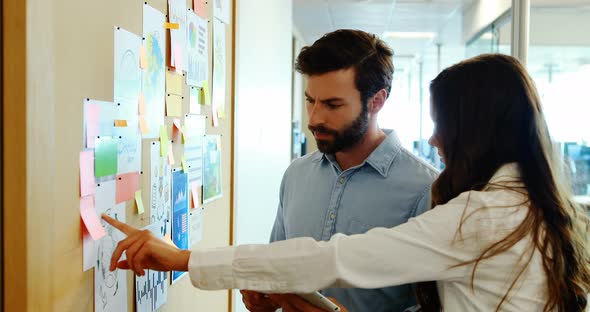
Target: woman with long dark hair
503	233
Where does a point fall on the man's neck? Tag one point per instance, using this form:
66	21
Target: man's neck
358	153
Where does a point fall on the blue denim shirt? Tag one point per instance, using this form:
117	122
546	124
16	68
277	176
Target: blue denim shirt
318	200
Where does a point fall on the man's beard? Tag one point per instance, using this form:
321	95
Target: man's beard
343	139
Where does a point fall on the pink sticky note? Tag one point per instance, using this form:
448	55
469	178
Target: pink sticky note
92	124
178	58
127	185
90	218
200	8
195	194
143	125
177	127
170	155
86	173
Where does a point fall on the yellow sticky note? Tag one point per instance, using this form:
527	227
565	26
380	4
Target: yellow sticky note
173	83
143	125
164	143
120	123
171	25
184	136
142	57
184	165
173	105
206	94
141	104
170	155
139	202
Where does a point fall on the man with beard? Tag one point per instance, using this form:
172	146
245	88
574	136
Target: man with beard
361	177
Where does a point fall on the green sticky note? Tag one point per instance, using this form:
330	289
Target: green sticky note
139	202
164	142
184	166
105	156
206	93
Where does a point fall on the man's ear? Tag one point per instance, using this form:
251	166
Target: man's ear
377	101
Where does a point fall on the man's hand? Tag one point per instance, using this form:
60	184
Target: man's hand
258	302
145	251
294	303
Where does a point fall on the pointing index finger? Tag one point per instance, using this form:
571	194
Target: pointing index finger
126	229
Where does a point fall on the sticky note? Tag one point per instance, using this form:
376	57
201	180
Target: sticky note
215	116
195	194
170	155
139	202
141	104
178	58
143	125
171	25
164	141
221	112
173	105
86	173
105	156
127	185
173	83
184	135
142	57
92	124
184	165
120	123
90	218
200	8
178	126
206	93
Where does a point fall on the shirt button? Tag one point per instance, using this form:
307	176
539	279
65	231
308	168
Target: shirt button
332	216
341	180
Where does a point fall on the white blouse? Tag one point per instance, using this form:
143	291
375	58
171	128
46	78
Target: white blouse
426	248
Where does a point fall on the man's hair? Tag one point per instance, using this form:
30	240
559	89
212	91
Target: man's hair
342	49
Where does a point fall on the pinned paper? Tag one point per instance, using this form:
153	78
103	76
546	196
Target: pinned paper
92	124
178	58
120	123
215	115
105	156
86	173
142	57
127	185
173	83
170	155
195	194
184	165
141	104
139	202
143	125
90	218
194	107
173	105
171	25
164	141
200	8
206	93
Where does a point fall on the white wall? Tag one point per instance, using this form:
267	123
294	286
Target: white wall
262	130
481	14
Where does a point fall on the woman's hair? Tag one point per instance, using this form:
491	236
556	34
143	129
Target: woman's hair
487	114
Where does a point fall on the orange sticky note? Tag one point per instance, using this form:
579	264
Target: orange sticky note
184	165
164	141
171	25
127	185
143	125
120	123
90	218
86	173
178	58
139	202
170	155
142	57
141	104
173	105
195	194
200	8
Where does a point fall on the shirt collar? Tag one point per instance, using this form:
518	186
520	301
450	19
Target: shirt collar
381	158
